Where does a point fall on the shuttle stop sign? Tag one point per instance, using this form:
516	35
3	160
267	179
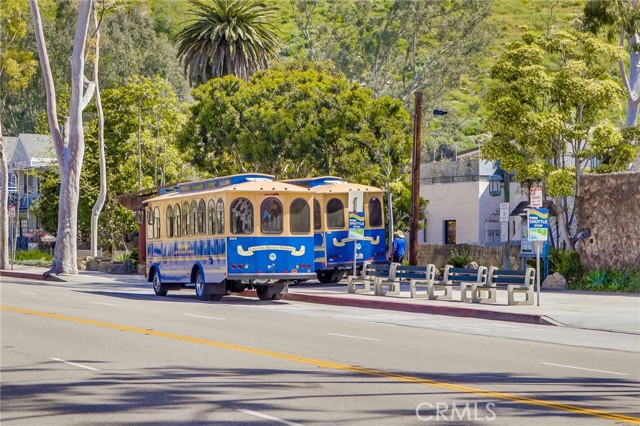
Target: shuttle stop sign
538	220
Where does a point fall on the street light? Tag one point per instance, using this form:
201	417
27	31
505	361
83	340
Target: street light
496	181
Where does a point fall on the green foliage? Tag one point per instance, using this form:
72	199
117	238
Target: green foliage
33	255
567	264
459	257
227	38
613	280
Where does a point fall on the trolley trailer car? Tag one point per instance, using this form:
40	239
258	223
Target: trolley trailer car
229	234
333	250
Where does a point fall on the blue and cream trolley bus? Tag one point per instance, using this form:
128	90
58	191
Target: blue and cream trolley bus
333	250
229	234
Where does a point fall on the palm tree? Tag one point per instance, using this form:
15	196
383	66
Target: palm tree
227	37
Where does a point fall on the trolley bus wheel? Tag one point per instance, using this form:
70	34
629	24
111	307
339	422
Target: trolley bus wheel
263	292
325	277
158	288
200	287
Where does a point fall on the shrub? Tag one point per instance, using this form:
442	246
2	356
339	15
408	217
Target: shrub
459	258
567	264
33	255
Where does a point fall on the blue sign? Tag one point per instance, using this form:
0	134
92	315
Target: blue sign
538	219
356	226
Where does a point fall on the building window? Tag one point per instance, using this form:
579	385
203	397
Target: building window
300	216
335	214
271	216
450	232
375	212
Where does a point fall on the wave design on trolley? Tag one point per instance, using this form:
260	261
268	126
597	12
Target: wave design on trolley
251	250
343	241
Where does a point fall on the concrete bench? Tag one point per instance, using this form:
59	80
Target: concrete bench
408	274
513	281
369	272
457	277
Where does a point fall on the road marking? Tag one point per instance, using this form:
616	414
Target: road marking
26	292
267	417
342	367
582	368
352	337
102	303
202	316
74	364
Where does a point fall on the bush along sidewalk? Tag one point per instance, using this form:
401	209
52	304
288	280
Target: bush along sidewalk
567	263
33	258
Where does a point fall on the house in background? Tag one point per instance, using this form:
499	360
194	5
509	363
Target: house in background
27	156
461	209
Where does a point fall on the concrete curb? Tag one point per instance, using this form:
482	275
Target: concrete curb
425	309
30	275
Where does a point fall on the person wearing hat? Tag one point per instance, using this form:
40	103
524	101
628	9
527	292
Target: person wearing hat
398	248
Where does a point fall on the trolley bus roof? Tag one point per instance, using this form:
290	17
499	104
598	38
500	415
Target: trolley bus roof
344	187
260	186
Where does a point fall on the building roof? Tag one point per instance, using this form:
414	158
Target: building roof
39	148
10	143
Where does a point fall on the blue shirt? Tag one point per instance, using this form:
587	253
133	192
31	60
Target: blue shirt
399	246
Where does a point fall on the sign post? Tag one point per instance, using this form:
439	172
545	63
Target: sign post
504	222
356	222
538	220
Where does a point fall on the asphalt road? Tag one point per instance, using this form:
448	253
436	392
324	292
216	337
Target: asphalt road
112	353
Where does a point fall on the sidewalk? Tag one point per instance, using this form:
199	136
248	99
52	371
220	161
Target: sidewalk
588	310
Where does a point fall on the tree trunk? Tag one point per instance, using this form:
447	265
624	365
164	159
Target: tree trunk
70	155
4	198
97	208
562	222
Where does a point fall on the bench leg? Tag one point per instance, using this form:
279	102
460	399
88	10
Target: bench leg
413	287
354	282
467	291
448	292
394	288
476	294
528	293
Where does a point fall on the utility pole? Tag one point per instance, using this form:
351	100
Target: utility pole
415	181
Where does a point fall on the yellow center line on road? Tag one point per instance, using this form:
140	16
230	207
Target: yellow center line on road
338	366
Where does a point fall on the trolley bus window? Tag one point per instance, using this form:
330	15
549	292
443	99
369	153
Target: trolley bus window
220	221
375	212
335	214
211	217
241	216
176	212
201	213
156	222
193	215
271	214
169	221
185	218
150	217
299	215
317	215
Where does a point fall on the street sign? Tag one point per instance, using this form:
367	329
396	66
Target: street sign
356	225
12	211
504	232
535	195
538	220
504	212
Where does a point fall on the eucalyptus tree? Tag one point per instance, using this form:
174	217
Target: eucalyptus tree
619	20
227	37
68	140
547	115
